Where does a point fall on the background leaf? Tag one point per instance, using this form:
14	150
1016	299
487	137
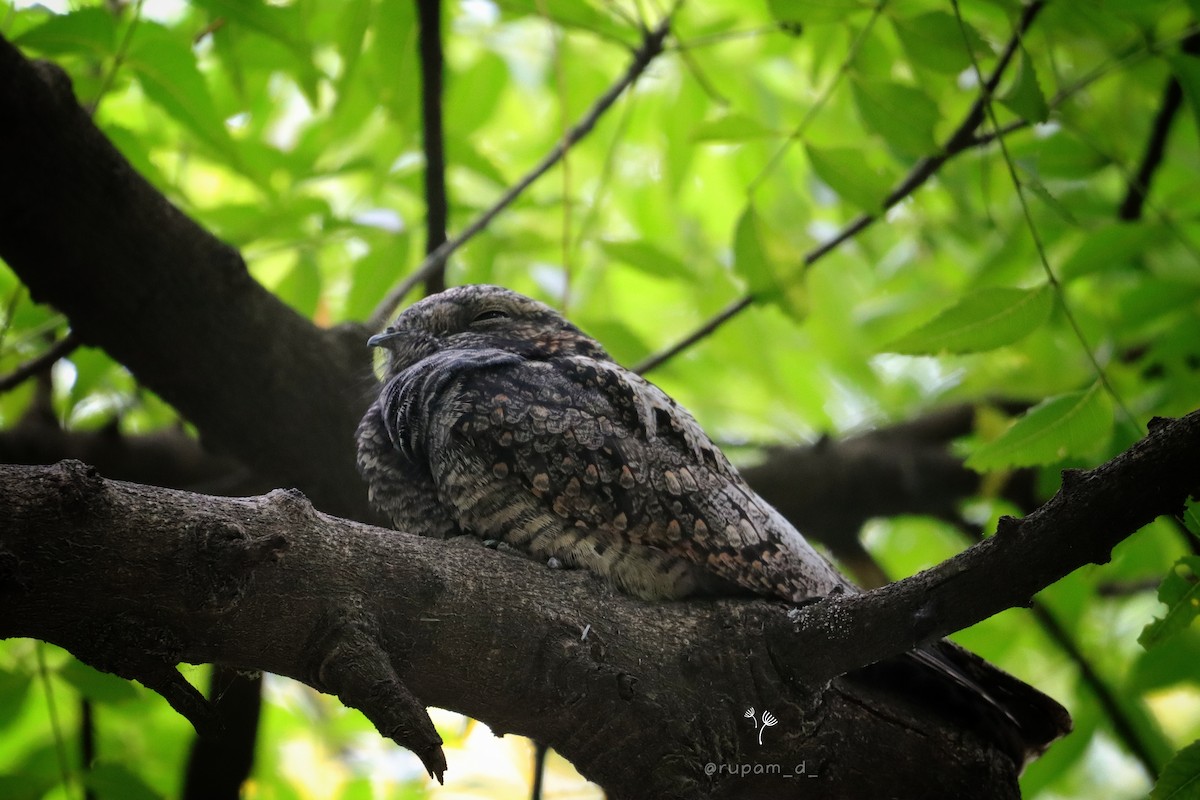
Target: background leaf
1072	424
983	320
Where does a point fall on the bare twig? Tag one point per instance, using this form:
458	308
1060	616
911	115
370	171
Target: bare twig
60	349
429	18
1139	185
1122	725
651	47
962	139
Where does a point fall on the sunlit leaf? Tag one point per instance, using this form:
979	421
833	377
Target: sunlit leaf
1180	779
646	257
750	259
800	12
1109	247
1187	72
14	688
754	258
731	128
1180	593
1024	97
472	96
166	68
107	780
903	115
91	31
573	14
103	687
982	320
846	172
301	286
1071	424
935	40
278	22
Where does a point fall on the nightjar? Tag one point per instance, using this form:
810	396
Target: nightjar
500	418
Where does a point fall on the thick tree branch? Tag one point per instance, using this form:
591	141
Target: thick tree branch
1092	512
382	618
134	258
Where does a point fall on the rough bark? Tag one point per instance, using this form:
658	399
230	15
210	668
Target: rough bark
172	303
134	580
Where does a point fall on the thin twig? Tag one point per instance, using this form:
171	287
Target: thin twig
1129	59
1156	144
429	27
36	366
724	315
821	100
652	45
1039	245
962	139
118	59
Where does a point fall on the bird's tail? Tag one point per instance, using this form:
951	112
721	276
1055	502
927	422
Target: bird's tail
1020	719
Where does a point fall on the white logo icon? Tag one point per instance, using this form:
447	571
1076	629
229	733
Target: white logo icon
768	720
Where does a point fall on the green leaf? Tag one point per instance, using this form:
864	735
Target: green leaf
731	128
1180	779
934	40
1114	245
1024	97
646	257
472	95
301	286
846	172
982	320
280	23
166	68
750	255
116	781
1187	70
14	688
903	115
91	31
102	687
1059	427
754	258
1180	593
573	14
800	12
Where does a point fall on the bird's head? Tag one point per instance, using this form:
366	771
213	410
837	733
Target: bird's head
481	317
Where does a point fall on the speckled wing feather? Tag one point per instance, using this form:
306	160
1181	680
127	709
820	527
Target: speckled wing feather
584	461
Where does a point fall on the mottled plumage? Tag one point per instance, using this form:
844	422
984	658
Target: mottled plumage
501	419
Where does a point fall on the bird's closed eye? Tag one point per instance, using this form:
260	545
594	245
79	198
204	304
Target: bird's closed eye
491	313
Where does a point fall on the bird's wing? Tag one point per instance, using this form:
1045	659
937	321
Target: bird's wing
577	455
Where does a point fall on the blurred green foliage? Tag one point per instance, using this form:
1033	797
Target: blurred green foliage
292	130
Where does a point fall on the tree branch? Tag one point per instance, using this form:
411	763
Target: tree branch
35	366
1092	512
385	618
142	280
1156	143
962	139
652	45
429	24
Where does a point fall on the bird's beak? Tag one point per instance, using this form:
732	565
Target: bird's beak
379	338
